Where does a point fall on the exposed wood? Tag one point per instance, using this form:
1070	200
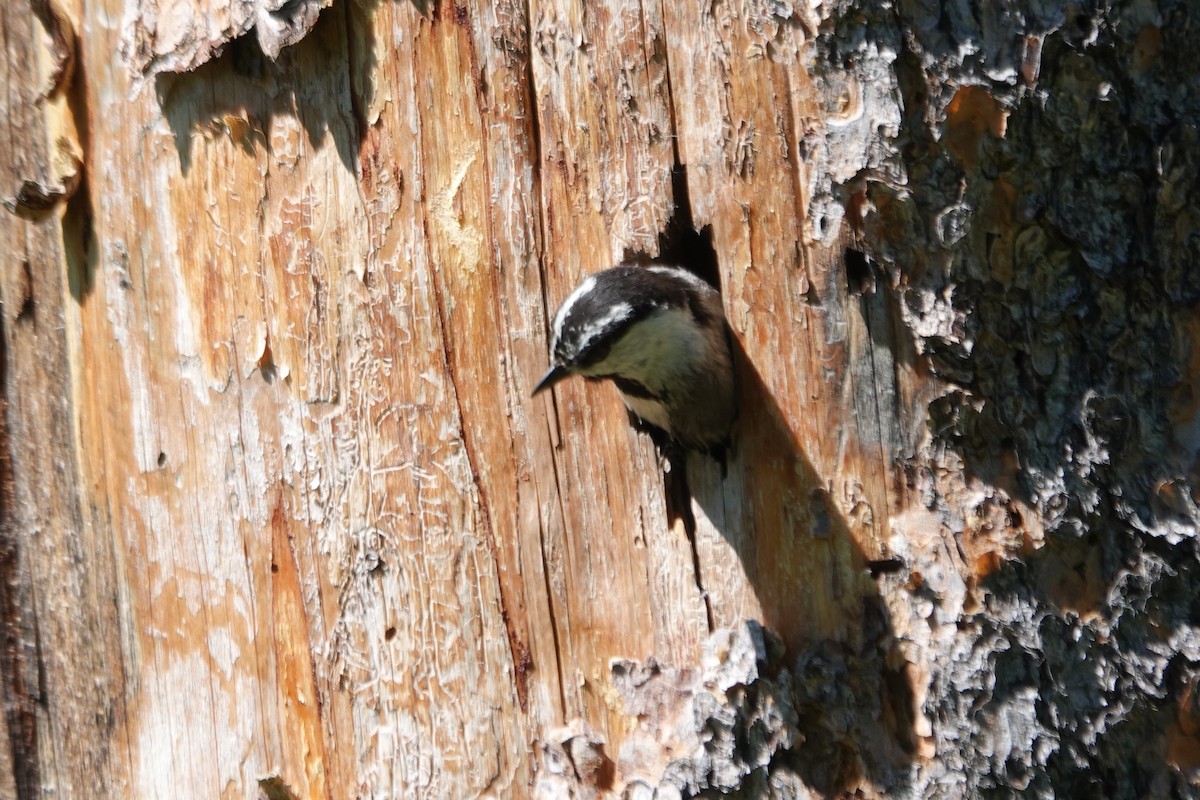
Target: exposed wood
63	657
279	518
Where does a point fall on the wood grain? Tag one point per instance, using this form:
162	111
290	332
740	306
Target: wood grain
279	517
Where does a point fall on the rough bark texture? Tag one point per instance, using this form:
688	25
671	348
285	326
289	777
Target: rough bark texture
279	519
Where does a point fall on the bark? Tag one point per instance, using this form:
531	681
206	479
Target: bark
278	517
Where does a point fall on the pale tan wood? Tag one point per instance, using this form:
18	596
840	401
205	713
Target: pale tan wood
355	549
280	517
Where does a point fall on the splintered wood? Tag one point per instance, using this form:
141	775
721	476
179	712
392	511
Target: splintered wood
283	519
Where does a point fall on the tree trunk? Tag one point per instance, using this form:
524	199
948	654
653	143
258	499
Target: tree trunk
280	519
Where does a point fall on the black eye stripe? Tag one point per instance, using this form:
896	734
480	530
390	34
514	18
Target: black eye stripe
595	352
597	347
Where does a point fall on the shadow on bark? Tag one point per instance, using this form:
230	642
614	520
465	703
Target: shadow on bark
829	654
238	94
842	674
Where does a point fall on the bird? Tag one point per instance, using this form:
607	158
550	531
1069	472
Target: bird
659	334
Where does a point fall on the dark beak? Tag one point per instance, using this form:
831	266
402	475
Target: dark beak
555	374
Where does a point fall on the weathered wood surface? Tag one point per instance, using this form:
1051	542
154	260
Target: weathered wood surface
281	519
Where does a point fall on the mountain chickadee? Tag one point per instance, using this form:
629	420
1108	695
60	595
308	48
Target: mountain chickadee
659	334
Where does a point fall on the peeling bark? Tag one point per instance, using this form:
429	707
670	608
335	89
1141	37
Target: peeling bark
278	517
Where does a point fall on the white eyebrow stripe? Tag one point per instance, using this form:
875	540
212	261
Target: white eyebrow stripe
618	313
588	284
687	276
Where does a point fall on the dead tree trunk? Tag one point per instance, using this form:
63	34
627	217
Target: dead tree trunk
278	517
